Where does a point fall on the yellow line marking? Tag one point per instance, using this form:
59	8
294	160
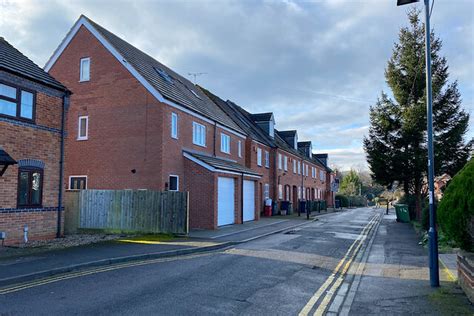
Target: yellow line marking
448	272
173	243
332	291
316	296
24	286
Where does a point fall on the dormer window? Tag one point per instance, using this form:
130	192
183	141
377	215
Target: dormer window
271	127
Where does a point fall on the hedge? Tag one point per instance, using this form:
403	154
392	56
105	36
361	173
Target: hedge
456	208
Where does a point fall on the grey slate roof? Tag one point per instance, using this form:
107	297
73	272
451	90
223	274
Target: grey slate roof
5	158
223	164
241	118
245	120
12	60
178	91
262	117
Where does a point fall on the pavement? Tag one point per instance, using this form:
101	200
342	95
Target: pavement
26	267
393	278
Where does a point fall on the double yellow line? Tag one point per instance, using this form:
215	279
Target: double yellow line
341	270
72	275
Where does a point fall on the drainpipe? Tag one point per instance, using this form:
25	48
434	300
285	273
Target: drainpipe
61	162
215	136
242	198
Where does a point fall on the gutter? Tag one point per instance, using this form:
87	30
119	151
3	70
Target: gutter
61	162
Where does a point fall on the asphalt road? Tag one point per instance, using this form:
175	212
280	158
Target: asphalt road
283	274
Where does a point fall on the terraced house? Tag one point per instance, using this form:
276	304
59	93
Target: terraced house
290	171
136	124
32	107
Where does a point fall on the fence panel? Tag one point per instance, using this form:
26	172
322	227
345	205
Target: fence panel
128	210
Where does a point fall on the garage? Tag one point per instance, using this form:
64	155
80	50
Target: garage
249	200
225	201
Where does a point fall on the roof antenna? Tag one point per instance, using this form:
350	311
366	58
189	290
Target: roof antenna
196	74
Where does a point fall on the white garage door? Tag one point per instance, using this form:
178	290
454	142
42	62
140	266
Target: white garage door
249	200
225	201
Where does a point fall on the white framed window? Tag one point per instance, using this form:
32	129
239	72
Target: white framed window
299	167
307	170
173	183
285	163
267	159
174	125
303	190
85	69
299	192
225	143
313	172
259	156
266	191
280	192
321	175
199	134
77	182
294	166
279	161
83	128
240	148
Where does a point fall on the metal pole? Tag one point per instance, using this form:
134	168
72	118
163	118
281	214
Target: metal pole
432	233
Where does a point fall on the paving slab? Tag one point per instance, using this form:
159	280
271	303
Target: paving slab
395	280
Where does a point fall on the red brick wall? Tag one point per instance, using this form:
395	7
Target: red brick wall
32	141
267	173
298	180
41	225
128	128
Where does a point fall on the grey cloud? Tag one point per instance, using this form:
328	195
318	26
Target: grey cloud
318	65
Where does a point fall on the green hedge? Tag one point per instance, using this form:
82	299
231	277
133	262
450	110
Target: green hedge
456	209
351	201
344	200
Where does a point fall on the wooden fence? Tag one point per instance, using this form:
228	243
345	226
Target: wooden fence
127	210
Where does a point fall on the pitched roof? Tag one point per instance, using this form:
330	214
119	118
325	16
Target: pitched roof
12	60
262	117
222	164
242	118
284	134
170	85
246	122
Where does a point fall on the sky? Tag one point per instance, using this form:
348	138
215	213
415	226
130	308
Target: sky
317	65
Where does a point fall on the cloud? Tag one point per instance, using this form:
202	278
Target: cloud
318	65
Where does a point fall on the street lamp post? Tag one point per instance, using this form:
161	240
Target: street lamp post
432	233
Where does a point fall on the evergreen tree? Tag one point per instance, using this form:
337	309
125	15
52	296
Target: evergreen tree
350	183
396	146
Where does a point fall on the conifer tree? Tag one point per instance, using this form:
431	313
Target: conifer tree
396	146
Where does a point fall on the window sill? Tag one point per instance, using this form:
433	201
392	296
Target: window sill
82	139
204	146
81	81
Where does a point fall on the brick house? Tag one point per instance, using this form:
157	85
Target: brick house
290	171
134	123
32	105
